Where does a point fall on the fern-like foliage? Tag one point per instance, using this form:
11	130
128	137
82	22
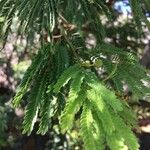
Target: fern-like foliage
90	137
138	13
101	117
38	78
122	67
65	77
74	102
30	13
102	112
66	67
31	72
33	106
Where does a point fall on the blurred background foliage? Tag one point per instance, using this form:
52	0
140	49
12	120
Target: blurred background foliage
16	55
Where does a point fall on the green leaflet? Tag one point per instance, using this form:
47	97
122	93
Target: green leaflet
110	99
101	110
96	25
104	8
125	133
116	142
23	87
70	9
39	87
47	105
131	120
70	110
74	102
45	116
33	106
100	134
87	132
62	59
133	78
31	72
65	77
47	111
76	84
36	8
51	14
138	14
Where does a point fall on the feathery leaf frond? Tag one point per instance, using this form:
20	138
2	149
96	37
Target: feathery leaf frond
63	79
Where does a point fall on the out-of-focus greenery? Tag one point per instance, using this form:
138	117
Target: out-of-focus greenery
20	68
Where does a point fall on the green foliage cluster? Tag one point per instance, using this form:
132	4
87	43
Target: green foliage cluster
100	118
63	80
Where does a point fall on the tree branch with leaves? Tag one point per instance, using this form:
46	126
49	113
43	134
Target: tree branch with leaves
65	66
